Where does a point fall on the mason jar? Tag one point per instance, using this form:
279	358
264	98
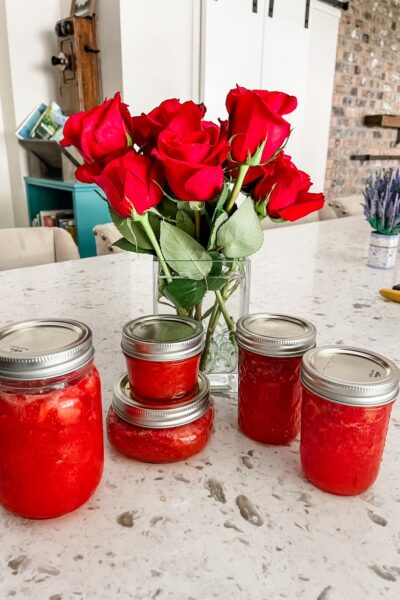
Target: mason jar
51	436
156	434
271	347
348	394
162	355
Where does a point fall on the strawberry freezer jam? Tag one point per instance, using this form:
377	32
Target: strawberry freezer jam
342	446
163	356
348	394
271	347
51	446
269	397
159	432
51	434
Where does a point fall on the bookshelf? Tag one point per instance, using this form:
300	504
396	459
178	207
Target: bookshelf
88	208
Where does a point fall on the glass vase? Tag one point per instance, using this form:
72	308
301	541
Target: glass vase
218	301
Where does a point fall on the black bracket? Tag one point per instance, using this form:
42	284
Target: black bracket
271	8
255	6
337	4
307	15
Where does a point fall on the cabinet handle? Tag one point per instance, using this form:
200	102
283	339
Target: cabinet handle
307	15
271	8
255	6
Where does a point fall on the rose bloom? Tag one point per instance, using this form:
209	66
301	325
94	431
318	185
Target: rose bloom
147	127
131	181
192	152
287	189
256	116
99	132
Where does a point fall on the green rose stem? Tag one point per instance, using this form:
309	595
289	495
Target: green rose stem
197	224
236	188
144	220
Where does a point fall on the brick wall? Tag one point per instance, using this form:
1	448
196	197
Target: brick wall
367	82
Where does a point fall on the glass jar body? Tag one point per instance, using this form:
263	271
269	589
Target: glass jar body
51	443
269	397
341	446
169	380
165	445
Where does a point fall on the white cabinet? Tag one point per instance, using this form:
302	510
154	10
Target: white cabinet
232	50
256	50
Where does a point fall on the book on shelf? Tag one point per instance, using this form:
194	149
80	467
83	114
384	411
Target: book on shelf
52	218
45	122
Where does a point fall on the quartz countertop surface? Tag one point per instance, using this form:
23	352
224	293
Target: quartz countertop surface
176	531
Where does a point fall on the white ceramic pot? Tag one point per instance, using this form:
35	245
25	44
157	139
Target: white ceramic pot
382	250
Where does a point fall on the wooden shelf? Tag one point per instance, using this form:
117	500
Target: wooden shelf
392	121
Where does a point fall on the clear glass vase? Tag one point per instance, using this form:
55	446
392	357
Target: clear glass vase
218	302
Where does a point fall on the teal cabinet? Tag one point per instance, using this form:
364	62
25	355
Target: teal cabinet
88	207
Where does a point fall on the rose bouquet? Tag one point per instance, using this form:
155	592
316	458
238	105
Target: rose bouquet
194	193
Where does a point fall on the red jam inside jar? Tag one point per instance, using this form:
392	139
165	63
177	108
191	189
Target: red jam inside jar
345	417
158	434
163	356
270	354
51	435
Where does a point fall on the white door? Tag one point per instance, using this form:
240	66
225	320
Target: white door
231	49
285	60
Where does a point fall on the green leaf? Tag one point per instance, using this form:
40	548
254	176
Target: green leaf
125	245
217	222
214	281
131	231
167	208
242	234
223	197
186	256
184	222
185	293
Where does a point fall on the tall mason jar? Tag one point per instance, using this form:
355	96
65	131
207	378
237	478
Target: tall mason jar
51	434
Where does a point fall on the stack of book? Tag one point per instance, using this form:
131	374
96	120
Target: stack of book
63	218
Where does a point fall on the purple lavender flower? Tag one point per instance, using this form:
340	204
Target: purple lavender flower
382	202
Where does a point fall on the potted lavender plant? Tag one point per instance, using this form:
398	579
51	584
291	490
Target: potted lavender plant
382	211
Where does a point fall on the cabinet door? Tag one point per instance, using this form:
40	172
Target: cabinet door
324	24
231	49
285	60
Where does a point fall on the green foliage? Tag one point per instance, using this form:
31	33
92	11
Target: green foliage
131	231
241	235
184	254
185	293
125	245
184	222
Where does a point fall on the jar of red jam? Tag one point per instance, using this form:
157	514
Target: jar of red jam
163	355
347	398
155	433
271	347
51	435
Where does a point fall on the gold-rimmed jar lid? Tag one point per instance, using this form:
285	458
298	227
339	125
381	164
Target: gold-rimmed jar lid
275	334
162	338
159	414
44	348
351	376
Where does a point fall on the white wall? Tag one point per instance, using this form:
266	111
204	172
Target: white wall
31	42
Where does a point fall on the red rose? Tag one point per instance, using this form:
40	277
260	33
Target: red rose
255	116
146	128
192	152
287	188
131	181
100	131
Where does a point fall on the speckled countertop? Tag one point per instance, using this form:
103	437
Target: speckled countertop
176	531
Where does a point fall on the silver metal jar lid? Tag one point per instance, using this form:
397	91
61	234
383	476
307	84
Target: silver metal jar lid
162	338
350	375
275	335
156	415
44	348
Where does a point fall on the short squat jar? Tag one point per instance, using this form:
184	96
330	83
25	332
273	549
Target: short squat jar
51	435
347	399
163	355
156	434
271	347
